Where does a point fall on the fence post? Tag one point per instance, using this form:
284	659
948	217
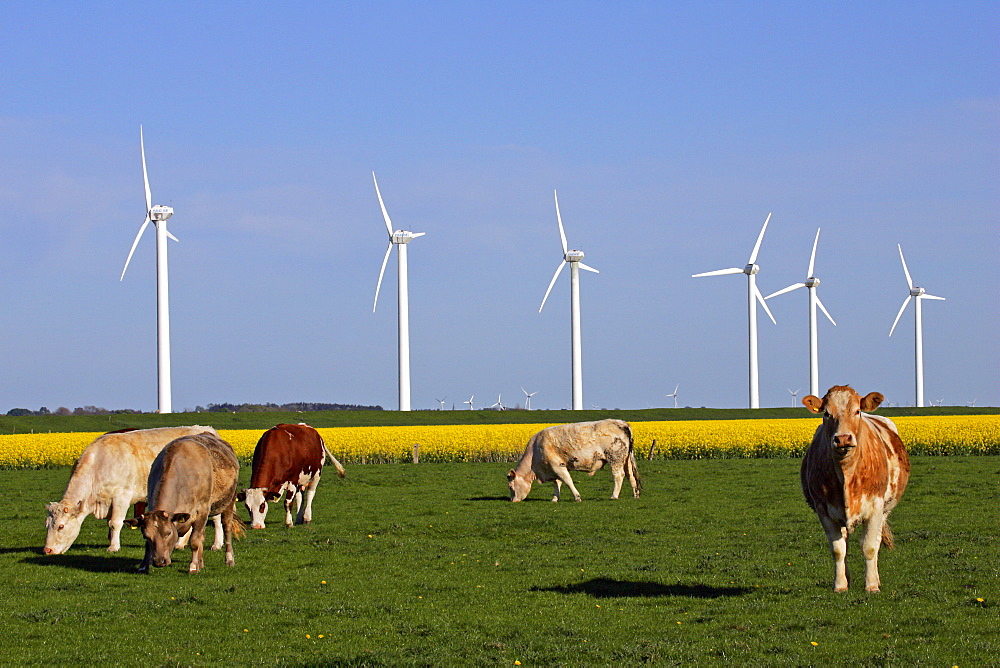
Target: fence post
651	449
416	453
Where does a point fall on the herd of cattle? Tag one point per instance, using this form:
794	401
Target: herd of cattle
178	478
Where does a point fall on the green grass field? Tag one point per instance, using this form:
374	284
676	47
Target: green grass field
266	420
429	564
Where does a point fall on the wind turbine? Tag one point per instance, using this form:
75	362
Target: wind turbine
398	238
498	405
811	283
753	294
795	394
470	401
527	398
441	401
158	215
920	295
674	395
574	258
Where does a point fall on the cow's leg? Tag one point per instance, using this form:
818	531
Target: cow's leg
618	473
147	559
563	474
290	495
632	471
306	514
555	495
871	540
197	542
182	540
119	510
224	526
837	535
219	536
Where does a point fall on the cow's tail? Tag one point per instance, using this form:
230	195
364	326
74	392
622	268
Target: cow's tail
887	538
633	469
340	469
236	527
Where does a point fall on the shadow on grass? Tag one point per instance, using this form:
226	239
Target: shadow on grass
87	562
608	588
490	498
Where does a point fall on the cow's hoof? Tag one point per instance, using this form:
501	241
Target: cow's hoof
114	548
872	590
143	570
307	521
576	498
555	499
839	590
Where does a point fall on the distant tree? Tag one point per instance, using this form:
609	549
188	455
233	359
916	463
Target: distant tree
62	410
18	412
44	411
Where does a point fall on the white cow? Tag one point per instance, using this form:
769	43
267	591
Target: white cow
585	446
110	476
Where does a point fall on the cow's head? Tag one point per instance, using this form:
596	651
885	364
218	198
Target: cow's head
841	409
519	485
62	525
256	500
161	530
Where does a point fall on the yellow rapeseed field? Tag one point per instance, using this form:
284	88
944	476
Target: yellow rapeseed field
702	439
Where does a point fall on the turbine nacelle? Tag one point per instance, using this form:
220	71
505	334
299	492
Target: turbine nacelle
160	212
573	256
405	236
751	269
812	282
917	292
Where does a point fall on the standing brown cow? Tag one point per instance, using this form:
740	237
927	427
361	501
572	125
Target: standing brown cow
854	472
192	477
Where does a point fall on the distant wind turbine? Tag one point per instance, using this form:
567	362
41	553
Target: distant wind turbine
918	347
499	404
795	396
754	295
441	401
811	283
674	395
575	260
158	215
470	401
399	239
527	398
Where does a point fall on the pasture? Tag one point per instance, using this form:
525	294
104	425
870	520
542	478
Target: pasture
429	564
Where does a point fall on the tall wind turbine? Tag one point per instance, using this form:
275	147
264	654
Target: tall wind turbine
470	401
795	394
158	215
753	295
920	295
527	398
574	258
674	395
399	239
441	401
811	283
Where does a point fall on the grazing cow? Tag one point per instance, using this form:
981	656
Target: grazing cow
585	446
854	472
109	476
192	478
288	459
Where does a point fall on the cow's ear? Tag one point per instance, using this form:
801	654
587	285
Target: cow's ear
813	403
511	475
134	522
180	517
241	496
872	401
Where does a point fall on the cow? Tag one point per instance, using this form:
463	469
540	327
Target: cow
584	446
109	476
854	472
288	459
191	479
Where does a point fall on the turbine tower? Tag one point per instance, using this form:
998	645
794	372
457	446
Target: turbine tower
674	395
753	295
399	239
527	398
441	401
795	394
574	258
158	215
811	283
920	294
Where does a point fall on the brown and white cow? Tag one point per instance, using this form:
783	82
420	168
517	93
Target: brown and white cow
109	476
288	459
192	478
584	446
854	472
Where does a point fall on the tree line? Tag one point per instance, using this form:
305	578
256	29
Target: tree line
299	407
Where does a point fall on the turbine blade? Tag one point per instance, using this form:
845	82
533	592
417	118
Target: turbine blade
145	178
812	258
763	303
385	214
905	271
719	272
414	235
760	237
823	309
900	314
927	296
782	291
551	283
588	268
134	244
378	287
171	236
562	233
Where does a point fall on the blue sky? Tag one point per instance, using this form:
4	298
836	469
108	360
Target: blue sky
670	130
